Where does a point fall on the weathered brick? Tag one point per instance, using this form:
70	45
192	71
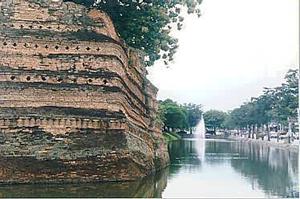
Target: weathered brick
72	108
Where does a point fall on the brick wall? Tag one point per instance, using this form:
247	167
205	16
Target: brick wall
71	105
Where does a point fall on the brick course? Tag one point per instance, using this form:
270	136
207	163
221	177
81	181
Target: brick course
72	108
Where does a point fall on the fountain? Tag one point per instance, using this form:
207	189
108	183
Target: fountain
200	136
200	129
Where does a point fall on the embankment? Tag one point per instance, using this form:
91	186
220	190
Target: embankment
171	136
280	145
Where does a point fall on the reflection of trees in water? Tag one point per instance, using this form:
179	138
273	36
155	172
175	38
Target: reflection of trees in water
217	147
183	150
149	187
184	154
274	170
217	152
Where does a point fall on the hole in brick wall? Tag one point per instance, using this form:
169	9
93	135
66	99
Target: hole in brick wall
27	78
59	79
77	48
5	44
67	48
105	81
49	27
58	27
98	49
56	47
90	80
88	48
36	46
43	78
30	26
74	80
46	47
25	45
12	25
21	26
12	77
40	27
14	44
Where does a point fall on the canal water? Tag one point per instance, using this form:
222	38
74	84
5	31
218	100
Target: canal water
199	168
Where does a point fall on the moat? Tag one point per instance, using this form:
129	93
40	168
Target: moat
210	168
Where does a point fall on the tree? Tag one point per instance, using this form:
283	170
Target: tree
214	119
229	122
275	105
177	116
194	114
174	115
287	97
146	24
264	106
235	119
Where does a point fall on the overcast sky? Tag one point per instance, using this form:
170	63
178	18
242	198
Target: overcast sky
231	52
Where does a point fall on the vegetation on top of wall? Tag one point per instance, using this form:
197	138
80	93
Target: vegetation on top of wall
146	24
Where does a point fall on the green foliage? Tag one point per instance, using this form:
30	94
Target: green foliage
176	116
194	113
286	98
274	105
214	119
146	24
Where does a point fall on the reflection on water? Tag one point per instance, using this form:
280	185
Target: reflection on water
148	187
274	170
231	169
211	168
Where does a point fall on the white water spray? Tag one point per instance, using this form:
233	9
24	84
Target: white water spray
200	129
200	142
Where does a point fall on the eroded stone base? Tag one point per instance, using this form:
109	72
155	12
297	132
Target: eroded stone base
75	103
33	154
109	167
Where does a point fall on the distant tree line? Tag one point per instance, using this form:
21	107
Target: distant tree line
215	119
276	106
179	117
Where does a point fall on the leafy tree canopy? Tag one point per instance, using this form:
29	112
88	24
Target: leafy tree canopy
177	116
194	114
274	105
214	119
174	116
146	24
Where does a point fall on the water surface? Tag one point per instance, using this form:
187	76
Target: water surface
210	168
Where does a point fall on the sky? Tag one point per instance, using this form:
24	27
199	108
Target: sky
231	52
